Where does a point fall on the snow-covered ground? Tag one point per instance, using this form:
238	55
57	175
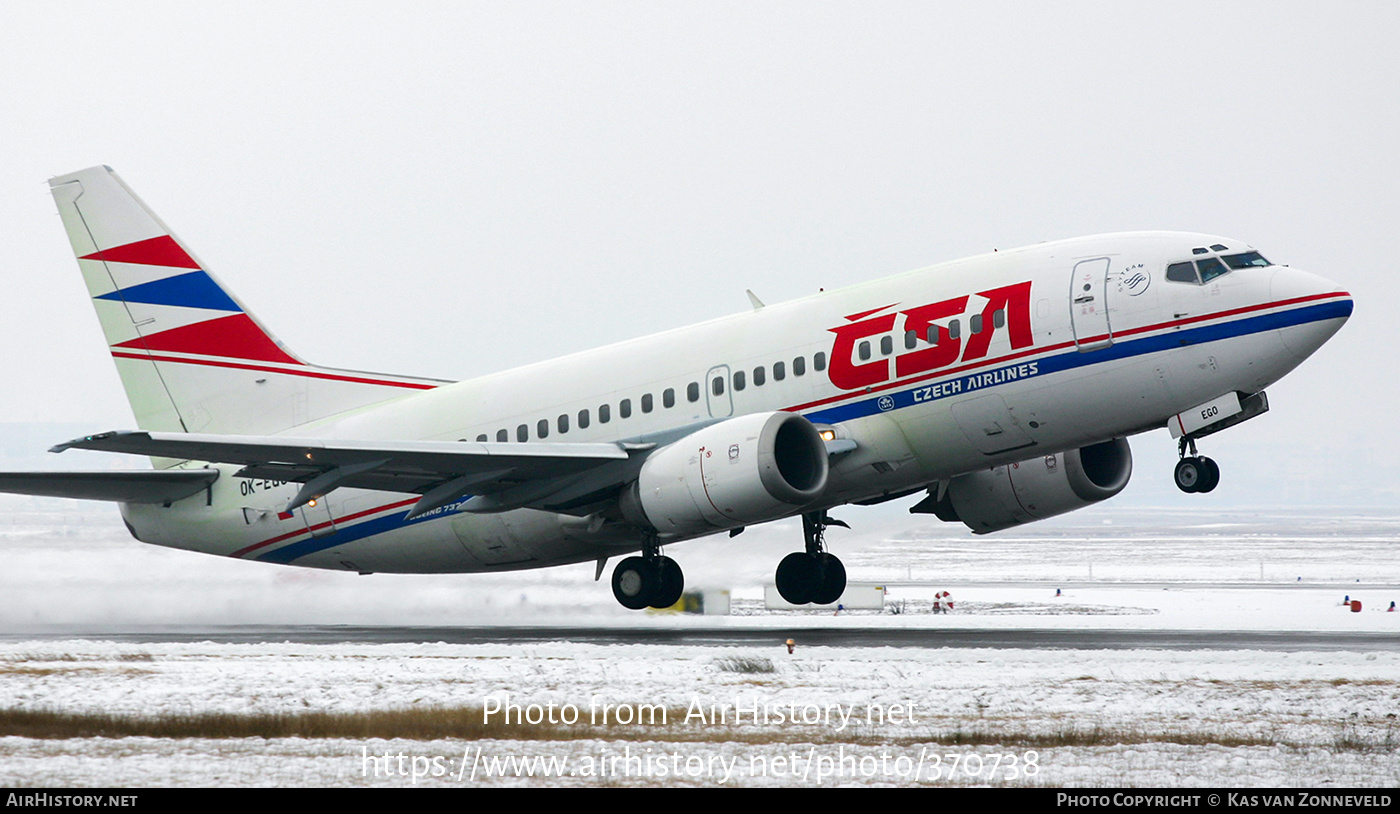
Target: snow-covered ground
901	716
967	716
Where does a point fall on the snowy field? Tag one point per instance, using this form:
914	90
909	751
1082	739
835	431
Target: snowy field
737	716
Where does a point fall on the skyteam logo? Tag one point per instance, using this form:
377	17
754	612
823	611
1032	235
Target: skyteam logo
1134	280
886	403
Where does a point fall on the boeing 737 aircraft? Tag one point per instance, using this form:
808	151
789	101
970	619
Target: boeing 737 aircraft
1001	387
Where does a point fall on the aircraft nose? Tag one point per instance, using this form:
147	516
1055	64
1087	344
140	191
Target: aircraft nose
1313	308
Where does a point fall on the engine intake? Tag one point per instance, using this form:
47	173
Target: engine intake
1010	495
743	470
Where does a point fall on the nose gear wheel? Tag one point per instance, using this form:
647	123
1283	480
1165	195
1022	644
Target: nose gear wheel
1195	473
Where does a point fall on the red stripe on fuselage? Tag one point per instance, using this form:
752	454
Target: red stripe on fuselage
951	371
347	518
308	372
1051	348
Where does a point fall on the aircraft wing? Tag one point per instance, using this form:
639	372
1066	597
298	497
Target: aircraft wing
159	486
499	476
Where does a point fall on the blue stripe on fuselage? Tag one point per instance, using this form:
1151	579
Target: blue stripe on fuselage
919	394
958	385
341	536
358	531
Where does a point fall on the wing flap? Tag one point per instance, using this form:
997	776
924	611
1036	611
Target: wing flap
417	467
249	449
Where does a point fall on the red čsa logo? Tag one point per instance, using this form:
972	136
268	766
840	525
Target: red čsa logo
942	347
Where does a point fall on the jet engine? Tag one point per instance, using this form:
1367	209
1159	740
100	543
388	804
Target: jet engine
1006	496
742	470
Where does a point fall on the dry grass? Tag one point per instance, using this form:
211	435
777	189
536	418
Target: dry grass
67	664
43	672
1097	735
469	723
414	724
745	664
51	657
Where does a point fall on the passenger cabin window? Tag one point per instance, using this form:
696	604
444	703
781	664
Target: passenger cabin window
503	435
864	351
799	366
646	403
954	329
564	423
740	380
911	339
522	433
542	427
999	318
886	345
717	385
819	360
604	413
624	408
976	324
758	377
668	398
692	391
779	372
583	419
481	438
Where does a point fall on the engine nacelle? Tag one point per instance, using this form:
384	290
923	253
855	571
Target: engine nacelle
744	470
1010	495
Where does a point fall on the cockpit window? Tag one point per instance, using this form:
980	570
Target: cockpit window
1205	269
1239	261
1211	267
1182	273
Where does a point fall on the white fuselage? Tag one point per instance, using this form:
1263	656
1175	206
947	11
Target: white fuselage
1057	346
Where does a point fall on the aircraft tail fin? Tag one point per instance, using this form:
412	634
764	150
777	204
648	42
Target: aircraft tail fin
191	356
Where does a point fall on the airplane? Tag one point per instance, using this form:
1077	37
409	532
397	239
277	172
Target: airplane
1000	388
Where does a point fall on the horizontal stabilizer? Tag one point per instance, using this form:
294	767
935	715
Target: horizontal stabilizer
158	486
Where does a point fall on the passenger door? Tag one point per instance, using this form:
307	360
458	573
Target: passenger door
1088	297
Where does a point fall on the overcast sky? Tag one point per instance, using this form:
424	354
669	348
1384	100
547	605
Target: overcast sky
449	189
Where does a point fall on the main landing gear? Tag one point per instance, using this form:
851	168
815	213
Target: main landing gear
813	576
1194	473
651	580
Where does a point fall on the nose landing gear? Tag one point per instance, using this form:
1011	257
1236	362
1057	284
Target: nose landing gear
813	576
1194	473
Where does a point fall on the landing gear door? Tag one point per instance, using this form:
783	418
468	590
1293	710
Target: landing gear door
988	424
1088	297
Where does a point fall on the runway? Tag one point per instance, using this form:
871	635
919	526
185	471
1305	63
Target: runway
708	636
